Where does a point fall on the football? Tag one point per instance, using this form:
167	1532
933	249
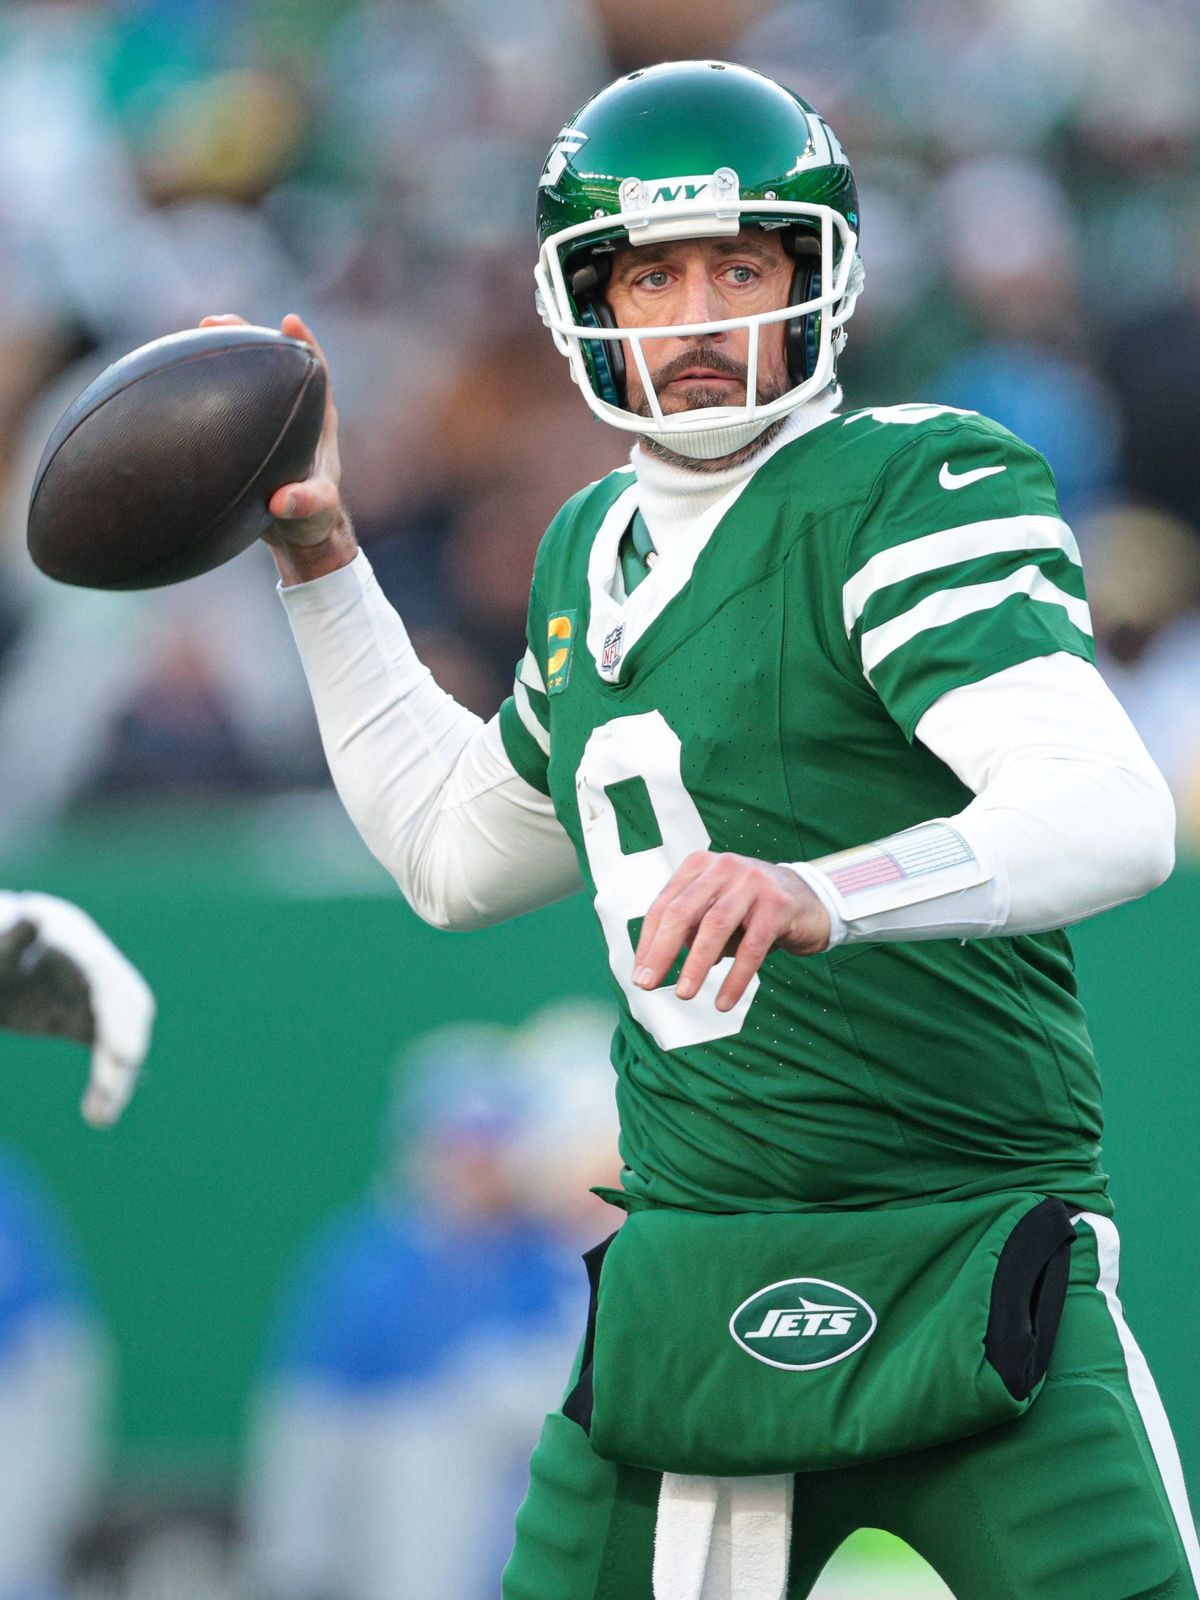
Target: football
163	466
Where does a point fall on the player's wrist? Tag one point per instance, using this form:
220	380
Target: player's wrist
819	891
302	563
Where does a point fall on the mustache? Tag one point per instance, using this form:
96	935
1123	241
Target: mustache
704	356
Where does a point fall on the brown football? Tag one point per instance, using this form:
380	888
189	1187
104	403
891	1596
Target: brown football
162	468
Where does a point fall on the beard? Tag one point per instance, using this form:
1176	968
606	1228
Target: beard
697	397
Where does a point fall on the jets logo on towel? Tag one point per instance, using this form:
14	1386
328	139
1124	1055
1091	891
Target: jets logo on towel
802	1323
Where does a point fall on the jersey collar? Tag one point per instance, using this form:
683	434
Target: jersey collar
617	622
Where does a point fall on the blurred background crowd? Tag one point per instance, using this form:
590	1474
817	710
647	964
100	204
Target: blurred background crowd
1031	203
1030	179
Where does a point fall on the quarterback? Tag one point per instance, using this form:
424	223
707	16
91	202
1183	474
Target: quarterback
808	707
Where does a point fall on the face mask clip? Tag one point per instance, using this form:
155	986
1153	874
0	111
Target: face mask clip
654	210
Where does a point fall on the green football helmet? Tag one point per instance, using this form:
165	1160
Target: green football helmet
687	150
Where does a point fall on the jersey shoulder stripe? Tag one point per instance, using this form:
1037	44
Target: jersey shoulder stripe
525	715
946	548
946	606
898	600
537	731
530	674
526	752
532	702
959	562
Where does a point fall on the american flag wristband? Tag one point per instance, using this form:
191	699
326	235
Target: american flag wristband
927	862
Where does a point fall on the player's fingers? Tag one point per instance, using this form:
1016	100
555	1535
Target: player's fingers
123	1006
298	502
110	1085
224	319
327	450
717	928
757	940
685	904
688	869
296	328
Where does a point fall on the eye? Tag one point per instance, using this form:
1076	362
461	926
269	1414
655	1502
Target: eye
656	278
742	274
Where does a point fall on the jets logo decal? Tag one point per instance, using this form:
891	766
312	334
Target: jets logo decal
800	1324
568	144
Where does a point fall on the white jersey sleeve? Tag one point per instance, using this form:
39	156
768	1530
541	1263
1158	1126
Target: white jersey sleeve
427	784
1070	814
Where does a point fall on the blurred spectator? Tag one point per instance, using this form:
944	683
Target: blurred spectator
52	1382
1031	206
1153	363
426	1334
1051	402
1011	255
138	1548
1144	584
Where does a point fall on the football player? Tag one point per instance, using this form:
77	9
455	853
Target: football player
809	709
60	975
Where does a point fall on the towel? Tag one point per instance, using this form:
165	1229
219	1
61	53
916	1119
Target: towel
722	1538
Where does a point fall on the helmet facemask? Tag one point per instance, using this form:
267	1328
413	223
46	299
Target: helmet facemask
572	271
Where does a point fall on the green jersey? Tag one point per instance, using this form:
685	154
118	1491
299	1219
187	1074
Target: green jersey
758	692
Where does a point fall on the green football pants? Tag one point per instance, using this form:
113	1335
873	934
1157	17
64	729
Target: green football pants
1082	1498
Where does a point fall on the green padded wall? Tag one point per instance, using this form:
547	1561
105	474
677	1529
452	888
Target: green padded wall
290	974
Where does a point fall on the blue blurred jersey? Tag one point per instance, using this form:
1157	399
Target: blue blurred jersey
386	1299
39	1271
410	1370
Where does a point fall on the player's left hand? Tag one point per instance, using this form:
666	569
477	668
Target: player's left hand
61	976
727	905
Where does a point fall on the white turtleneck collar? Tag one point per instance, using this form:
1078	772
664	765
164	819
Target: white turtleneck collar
671	498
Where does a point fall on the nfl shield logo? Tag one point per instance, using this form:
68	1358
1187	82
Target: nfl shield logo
611	653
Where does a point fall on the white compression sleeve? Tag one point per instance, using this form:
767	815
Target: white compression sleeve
425	781
1070	817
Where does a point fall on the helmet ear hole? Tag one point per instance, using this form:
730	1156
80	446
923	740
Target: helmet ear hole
803	340
604	357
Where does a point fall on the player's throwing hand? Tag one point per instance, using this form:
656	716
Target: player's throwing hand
722	905
311	533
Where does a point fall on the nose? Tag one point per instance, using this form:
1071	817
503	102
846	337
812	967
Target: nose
701	300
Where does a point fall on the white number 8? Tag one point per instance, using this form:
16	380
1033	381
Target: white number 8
646	747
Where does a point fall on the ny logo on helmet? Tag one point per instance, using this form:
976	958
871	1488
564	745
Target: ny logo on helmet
677	191
568	143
